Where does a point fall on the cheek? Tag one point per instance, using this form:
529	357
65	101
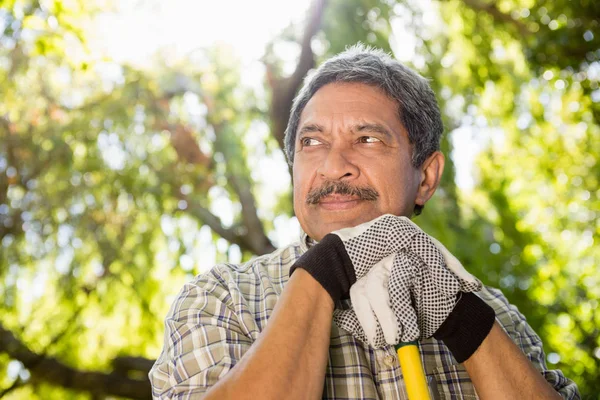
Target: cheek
301	184
396	185
297	197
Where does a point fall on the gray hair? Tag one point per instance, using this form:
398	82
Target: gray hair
417	106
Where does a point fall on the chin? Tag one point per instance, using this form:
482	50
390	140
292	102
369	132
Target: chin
322	228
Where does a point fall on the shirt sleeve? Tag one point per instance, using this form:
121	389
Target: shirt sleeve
516	326
204	339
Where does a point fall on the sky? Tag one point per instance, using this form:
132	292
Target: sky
139	28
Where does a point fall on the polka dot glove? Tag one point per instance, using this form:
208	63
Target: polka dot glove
420	291
346	255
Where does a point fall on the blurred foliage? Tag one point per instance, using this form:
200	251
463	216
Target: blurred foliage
118	184
526	76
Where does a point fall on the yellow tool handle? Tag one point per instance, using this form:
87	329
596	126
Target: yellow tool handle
412	370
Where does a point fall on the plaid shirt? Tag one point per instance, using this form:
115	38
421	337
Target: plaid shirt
216	318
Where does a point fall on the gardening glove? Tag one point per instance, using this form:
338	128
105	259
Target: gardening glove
421	291
344	256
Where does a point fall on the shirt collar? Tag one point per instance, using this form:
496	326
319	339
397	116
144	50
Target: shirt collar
306	242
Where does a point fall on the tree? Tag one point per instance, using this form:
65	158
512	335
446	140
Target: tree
118	184
106	169
522	73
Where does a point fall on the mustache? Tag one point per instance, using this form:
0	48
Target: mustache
343	188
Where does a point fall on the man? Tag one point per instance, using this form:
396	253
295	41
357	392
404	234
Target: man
363	140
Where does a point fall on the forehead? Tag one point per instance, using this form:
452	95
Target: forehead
351	103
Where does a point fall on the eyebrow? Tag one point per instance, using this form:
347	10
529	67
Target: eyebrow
372	127
358	128
310	128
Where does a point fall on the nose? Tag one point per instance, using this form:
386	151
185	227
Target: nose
337	166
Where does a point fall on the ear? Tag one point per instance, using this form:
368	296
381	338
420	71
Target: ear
431	174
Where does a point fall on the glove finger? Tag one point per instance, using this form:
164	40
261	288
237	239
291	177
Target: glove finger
400	298
368	243
347	234
433	304
347	320
467	281
404	230
377	284
435	273
364	248
359	295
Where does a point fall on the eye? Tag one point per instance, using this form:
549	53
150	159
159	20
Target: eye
368	139
308	141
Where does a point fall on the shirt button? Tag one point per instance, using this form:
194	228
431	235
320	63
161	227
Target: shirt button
389	360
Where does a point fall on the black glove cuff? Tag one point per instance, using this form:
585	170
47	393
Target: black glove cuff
329	263
467	326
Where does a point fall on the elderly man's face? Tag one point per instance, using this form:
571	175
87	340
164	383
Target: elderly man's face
350	140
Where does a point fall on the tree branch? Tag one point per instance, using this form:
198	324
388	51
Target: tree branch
283	90
236	235
15	227
188	151
307	60
48	369
15	385
127	364
255	235
214	222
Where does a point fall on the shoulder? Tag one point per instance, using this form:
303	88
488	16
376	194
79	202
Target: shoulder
495	298
512	320
275	265
232	290
506	313
269	269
